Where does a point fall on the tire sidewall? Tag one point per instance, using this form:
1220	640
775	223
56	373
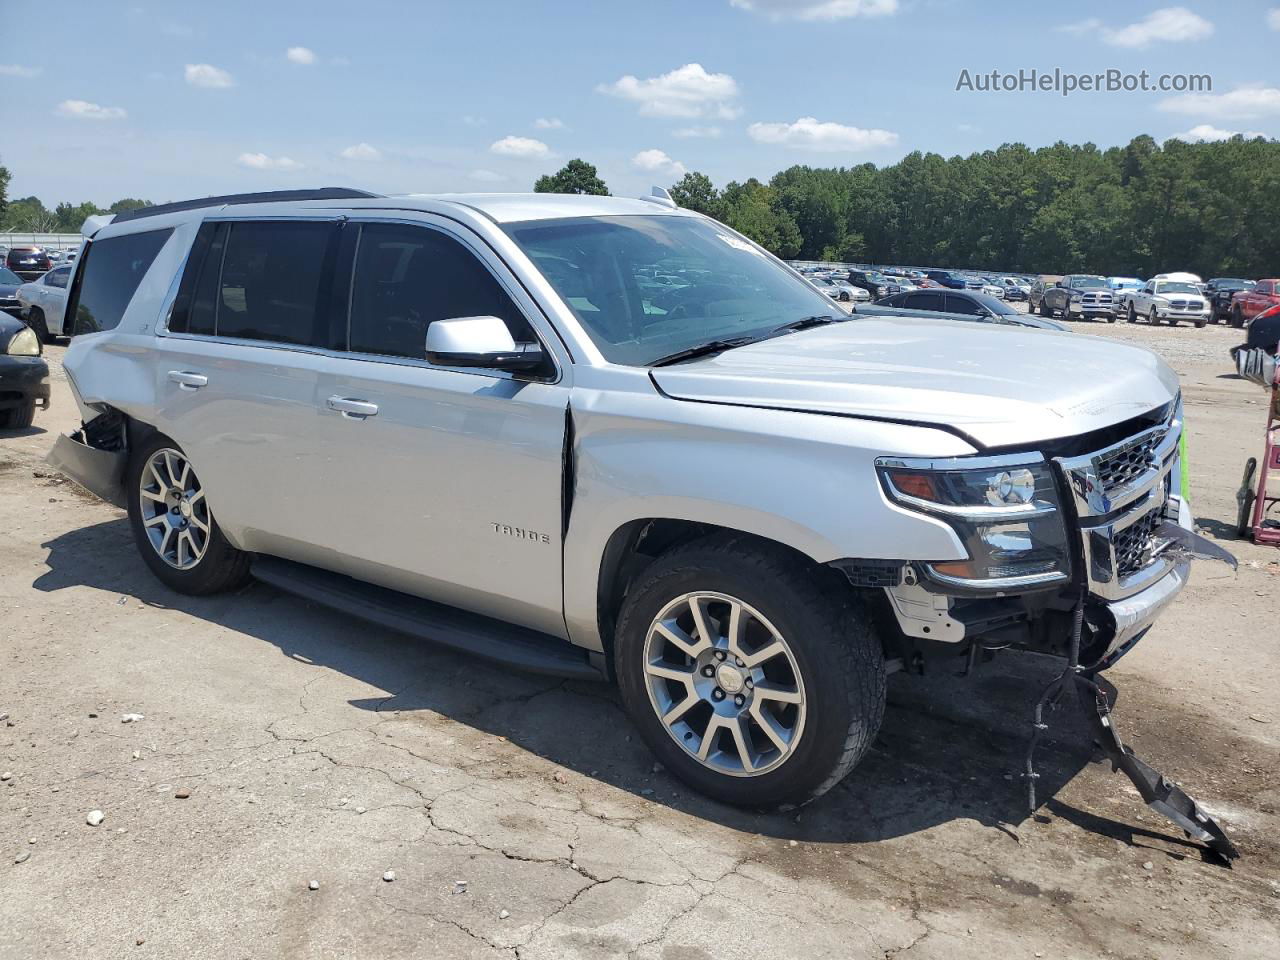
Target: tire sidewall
828	714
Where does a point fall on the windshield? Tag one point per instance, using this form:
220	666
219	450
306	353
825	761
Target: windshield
8	276
1088	283
1175	286
602	267
998	307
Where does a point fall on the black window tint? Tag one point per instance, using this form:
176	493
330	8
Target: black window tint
109	276
195	308
924	301
57	278
408	277
957	304
271	281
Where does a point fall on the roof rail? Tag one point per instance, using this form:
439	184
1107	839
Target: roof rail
267	196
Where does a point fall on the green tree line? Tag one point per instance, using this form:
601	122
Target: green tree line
30	215
1136	210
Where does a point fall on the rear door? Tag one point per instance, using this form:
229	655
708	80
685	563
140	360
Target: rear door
238	371
445	482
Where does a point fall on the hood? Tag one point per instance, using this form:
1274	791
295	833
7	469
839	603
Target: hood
7	290
1002	386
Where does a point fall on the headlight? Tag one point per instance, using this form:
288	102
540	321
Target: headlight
881	291
1075	296
24	343
1004	509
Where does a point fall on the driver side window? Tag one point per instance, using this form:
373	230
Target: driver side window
407	277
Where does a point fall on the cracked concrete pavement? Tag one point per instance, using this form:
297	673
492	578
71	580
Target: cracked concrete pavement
315	747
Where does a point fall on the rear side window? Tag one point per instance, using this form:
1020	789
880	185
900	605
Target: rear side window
924	301
110	272
407	277
272	279
962	305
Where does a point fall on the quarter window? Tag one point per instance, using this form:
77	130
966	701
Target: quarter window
408	277
110	273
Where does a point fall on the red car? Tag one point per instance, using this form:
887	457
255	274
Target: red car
29	263
1247	304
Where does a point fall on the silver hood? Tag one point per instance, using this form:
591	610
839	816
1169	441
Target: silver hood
999	385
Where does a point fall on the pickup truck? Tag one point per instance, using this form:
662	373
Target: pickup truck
463	418
1079	295
1168	300
1247	304
946	279
1220	291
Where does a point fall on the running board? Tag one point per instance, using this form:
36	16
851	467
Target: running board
470	633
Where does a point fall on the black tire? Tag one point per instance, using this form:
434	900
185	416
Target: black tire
38	324
1246	498
1133	314
1200	323
1237	317
18	418
1152	318
1044	308
839	658
222	567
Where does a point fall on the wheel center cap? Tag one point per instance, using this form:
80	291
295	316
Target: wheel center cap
730	678
184	508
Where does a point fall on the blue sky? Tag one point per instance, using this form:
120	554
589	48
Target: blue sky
177	100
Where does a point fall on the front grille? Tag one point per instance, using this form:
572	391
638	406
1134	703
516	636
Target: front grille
1132	545
1119	469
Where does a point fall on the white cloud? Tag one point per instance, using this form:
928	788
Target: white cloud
260	161
818	9
687	133
206	75
549	123
84	110
1207	131
655	161
808	133
1168	25
486	176
300	55
17	70
520	147
361	151
1273	18
1243	103
687	91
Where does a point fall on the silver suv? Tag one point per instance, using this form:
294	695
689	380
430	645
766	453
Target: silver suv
611	438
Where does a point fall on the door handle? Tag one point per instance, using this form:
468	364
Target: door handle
187	380
353	409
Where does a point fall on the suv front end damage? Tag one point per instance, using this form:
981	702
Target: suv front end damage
1072	554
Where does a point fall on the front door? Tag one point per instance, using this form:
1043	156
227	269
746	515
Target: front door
442	482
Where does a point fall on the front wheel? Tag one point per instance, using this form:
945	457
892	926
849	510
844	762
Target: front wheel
175	531
754	679
38	324
18	418
1133	314
1237	317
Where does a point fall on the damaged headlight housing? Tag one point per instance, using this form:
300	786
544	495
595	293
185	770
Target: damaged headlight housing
1005	511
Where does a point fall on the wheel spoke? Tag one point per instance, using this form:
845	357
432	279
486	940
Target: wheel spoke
665	670
769	691
164	544
158	497
709	735
681	708
688	645
736	623
186	472
181	548
700	621
199	524
161	486
769	726
158	518
168	466
773	648
741	734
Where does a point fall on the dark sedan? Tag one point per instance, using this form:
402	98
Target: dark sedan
9	284
24	375
965	305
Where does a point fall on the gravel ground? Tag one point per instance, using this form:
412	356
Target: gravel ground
282	746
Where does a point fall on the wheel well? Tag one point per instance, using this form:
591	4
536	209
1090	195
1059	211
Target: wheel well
635	545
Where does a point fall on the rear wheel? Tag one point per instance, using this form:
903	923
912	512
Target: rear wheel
1133	314
1044	309
176	533
1246	497
1237	316
38	324
754	679
18	418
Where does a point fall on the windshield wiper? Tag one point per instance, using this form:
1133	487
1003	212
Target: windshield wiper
702	350
804	323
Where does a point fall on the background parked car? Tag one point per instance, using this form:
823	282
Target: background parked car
44	303
1079	295
946	279
9	284
1247	304
1170	300
1219	291
24	374
1035	296
28	261
1014	288
943	304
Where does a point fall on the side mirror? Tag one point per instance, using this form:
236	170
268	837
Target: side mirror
478	342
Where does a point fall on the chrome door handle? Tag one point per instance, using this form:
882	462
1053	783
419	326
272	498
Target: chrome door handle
187	380
353	409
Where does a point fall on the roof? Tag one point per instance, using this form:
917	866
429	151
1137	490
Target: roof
515	207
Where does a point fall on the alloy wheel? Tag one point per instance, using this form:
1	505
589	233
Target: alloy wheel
175	516
725	684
